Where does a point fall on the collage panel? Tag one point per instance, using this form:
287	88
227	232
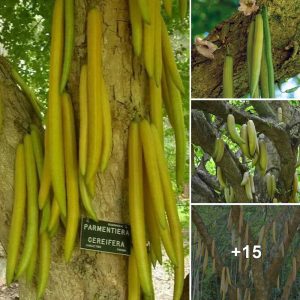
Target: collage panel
245	151
245	252
244	49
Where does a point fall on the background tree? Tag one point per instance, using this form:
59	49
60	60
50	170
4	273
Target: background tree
281	139
25	39
273	276
221	23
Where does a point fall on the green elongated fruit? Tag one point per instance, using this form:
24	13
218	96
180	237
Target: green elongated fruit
245	179
219	150
256	53
18	212
46	212
279	114
69	42
44	264
136	207
252	138
56	153
94	71
250	50
168	58
294	188
172	214
134	288
32	264
152	172
248	190
83	120
232	130
220	177
228	77
269	184
37	144
28	92
268	52
136	22
183	4
227	194
273	185
263	157
70	147
179	129
54	217
149	41
32	207
264	76
145	10
251	178
255	159
231	194
86	199
244	136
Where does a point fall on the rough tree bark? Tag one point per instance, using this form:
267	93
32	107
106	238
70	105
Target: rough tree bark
284	25
282	148
89	275
264	273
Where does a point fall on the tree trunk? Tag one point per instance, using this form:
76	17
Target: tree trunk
207	74
89	275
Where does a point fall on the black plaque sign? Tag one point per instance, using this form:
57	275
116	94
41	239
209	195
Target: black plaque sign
105	236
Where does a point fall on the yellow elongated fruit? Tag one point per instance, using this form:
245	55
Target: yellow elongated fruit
69	42
83	120
152	227
145	10
183	4
279	114
56	153
28	92
228	77
168	58
136	207
168	7
94	69
156	113
248	190
152	172
134	288
220	177
219	150
37	145
232	130
227	194
70	147
231	194
244	136
149	40
264	80
245	178
136	22
179	129
18	212
172	214
258	39
158	44
32	207
86	199
54	217
45	181
107	128
252	138
44	264
263	157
